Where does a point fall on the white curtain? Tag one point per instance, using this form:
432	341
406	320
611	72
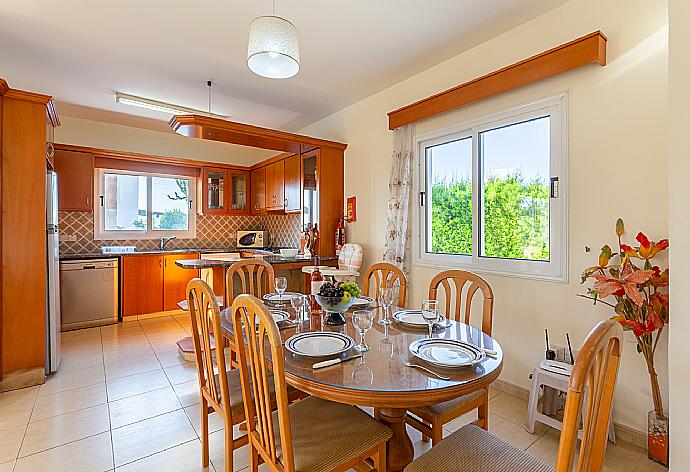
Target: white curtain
400	188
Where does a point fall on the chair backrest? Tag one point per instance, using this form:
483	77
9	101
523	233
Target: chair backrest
350	257
453	283
254	276
595	372
205	316
386	275
261	342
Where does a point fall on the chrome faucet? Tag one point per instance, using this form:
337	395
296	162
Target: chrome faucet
165	241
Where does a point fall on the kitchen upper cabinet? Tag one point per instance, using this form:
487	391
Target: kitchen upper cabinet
225	191
175	279
152	282
75	172
293	183
275	186
258	186
142	284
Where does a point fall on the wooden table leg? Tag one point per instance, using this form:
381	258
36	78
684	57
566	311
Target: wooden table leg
400	451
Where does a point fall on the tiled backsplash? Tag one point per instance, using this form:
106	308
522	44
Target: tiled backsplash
212	231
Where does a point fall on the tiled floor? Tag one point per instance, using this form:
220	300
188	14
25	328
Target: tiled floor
124	400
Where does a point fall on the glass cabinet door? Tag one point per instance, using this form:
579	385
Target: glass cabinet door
215	183
239	193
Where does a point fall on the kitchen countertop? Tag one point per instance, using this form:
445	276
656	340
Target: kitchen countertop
273	260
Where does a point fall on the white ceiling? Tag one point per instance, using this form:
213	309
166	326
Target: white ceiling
83	51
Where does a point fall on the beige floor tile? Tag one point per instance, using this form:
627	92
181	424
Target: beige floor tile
512	433
81	335
27	395
181	373
10	442
15	414
136	384
215	422
68	401
643	464
7	466
120	331
509	407
141	407
93	454
183	458
169	360
240	457
546	447
188	393
59	430
147	437
80	361
132	366
420	447
71	379
461	421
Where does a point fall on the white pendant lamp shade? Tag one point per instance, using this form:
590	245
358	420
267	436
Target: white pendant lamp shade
273	50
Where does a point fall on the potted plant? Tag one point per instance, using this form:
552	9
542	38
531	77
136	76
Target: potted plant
636	289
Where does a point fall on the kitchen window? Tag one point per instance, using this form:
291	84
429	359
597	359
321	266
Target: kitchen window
138	205
492	194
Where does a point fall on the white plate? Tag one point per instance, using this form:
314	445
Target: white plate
275	297
447	352
278	316
363	301
319	344
415	319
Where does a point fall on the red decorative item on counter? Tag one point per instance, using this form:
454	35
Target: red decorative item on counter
316	282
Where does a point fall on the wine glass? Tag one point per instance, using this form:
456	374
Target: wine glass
362	320
385	300
281	285
430	314
297	302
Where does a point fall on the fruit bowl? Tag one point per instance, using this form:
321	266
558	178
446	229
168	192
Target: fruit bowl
335	307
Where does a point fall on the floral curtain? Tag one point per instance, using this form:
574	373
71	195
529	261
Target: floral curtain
400	187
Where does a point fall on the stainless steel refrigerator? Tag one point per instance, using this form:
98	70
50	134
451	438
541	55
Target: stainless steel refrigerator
53	319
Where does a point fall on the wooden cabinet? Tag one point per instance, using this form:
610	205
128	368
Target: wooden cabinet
142	284
75	172
152	282
225	191
258	186
175	279
275	186
293	183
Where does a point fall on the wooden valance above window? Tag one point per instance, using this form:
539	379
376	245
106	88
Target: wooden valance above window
585	50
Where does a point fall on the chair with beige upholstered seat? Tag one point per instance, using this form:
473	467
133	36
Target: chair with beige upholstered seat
309	435
458	286
595	372
386	275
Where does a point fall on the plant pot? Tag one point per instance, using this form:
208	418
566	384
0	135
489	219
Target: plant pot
657	438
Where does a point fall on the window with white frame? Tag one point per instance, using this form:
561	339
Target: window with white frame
137	205
492	193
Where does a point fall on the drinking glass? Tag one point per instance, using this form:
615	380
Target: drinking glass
386	300
430	314
281	285
362	320
297	302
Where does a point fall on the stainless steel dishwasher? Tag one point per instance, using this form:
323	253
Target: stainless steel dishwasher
88	293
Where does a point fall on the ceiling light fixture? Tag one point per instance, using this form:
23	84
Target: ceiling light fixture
163	106
273	49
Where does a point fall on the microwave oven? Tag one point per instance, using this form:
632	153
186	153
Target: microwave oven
252	239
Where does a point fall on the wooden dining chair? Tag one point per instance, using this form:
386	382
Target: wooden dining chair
310	435
594	373
254	276
386	275
460	288
220	389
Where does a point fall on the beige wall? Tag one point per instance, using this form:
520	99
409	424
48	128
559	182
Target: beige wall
124	138
679	225
617	149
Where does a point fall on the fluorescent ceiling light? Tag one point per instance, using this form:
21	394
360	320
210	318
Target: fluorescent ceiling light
162	106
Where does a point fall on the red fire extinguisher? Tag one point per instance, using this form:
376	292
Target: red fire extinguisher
339	236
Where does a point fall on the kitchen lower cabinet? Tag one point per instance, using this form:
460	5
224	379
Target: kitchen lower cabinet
152	282
175	279
142	284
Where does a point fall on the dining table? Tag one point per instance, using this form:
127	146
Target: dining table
379	378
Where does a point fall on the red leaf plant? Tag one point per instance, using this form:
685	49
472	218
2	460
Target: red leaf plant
640	298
